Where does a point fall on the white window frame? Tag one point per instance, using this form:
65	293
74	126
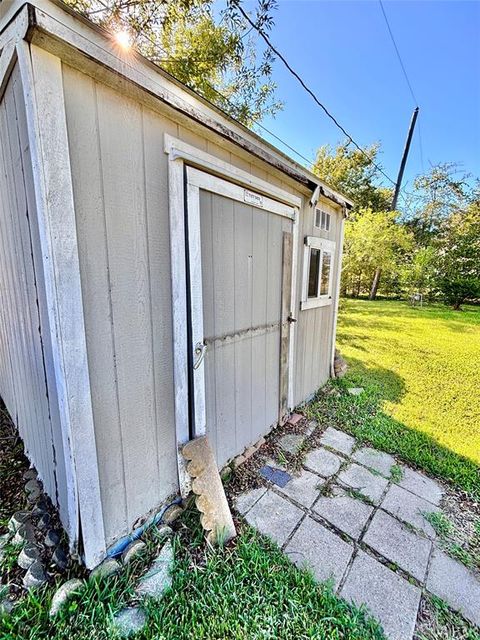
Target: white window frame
325	220
312	242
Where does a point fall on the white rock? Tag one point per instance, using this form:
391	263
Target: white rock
134	550
129	621
158	579
355	391
64	593
105	569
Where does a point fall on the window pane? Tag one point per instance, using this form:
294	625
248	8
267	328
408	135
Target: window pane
327	222
323	219
318	213
313	273
325	279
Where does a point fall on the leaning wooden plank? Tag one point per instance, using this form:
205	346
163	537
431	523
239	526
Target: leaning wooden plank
207	486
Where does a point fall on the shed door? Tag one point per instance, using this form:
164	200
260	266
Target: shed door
239	262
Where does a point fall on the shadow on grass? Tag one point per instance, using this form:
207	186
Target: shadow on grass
363	417
383	383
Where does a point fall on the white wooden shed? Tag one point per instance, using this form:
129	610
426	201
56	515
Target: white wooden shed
164	272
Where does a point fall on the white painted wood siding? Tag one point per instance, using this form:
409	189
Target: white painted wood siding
27	382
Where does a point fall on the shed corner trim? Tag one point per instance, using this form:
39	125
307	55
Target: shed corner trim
46	122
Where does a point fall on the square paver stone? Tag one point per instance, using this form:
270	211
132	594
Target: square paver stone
410	508
421	485
454	583
344	512
338	440
378	460
388	596
323	462
315	547
274	475
245	501
304	488
393	541
363	481
291	442
274	516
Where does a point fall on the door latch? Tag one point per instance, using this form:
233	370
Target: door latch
291	319
199	354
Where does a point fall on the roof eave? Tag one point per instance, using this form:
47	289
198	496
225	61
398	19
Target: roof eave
42	22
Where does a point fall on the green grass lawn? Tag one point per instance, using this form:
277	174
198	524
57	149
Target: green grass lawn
419	369
249	590
421	372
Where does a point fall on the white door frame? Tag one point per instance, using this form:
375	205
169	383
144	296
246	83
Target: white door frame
190	169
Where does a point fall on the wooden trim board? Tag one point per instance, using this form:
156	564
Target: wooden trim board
336	296
196	306
287	255
46	121
235	192
8	58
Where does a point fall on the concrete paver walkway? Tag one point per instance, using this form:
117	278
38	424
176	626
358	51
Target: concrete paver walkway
350	519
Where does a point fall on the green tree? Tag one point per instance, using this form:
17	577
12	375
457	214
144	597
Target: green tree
357	174
439	193
373	238
212	51
458	265
418	274
353	173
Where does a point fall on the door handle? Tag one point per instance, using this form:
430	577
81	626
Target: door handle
291	319
199	354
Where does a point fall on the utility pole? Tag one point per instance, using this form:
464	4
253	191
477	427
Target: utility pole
398	184
404	158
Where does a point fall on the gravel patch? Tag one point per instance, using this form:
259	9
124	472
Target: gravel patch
435	621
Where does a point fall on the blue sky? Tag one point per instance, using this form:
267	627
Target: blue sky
343	51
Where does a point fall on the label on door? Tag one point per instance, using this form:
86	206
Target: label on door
253	198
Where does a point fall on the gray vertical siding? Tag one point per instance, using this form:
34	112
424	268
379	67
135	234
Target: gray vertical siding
242	286
119	173
314	327
27	380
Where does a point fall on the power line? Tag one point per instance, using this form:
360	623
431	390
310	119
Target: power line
403	193
398	53
231	104
283	142
407	79
308	90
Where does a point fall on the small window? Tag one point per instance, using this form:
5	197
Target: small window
313	273
325	274
318	268
322	220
